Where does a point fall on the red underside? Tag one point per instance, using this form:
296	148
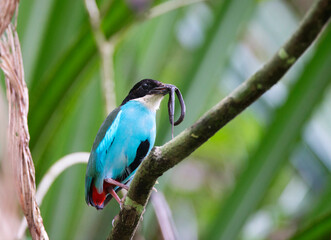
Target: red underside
99	198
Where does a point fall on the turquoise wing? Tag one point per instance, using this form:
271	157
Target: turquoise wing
103	140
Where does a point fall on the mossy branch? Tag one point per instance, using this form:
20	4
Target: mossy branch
163	158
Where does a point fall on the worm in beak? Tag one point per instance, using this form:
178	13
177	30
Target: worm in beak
171	106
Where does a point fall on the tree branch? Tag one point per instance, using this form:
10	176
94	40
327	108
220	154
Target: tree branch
7	10
163	158
50	176
18	131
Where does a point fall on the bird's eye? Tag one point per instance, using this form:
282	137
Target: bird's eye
145	86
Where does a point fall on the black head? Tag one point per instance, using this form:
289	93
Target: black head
146	87
149	87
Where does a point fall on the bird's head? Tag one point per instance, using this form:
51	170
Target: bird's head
145	89
150	92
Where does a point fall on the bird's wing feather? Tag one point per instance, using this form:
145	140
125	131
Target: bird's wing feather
103	139
142	151
105	127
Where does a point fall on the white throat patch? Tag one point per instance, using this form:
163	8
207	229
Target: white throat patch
152	102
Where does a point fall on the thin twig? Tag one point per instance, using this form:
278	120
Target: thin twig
169	6
163	158
56	169
106	47
106	50
164	216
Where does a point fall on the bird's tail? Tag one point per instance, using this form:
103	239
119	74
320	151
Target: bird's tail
93	197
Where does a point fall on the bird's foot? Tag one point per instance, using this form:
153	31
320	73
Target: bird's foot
154	188
116	218
116	183
123	198
111	190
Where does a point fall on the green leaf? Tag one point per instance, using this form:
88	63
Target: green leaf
61	76
203	75
276	145
319	229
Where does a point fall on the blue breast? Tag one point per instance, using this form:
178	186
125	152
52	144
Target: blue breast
111	158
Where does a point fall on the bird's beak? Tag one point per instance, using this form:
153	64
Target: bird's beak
163	89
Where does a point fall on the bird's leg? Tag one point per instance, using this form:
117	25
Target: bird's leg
116	183
121	185
114	194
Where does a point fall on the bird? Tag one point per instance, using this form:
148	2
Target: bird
124	139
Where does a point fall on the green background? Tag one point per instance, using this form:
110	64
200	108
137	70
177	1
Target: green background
265	175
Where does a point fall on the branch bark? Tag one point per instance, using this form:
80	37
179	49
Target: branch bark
163	158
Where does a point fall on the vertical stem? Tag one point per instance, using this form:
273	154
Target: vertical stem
106	50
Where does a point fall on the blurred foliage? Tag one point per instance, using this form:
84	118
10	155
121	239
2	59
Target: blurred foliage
263	176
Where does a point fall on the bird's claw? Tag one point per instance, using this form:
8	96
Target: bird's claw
116	183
